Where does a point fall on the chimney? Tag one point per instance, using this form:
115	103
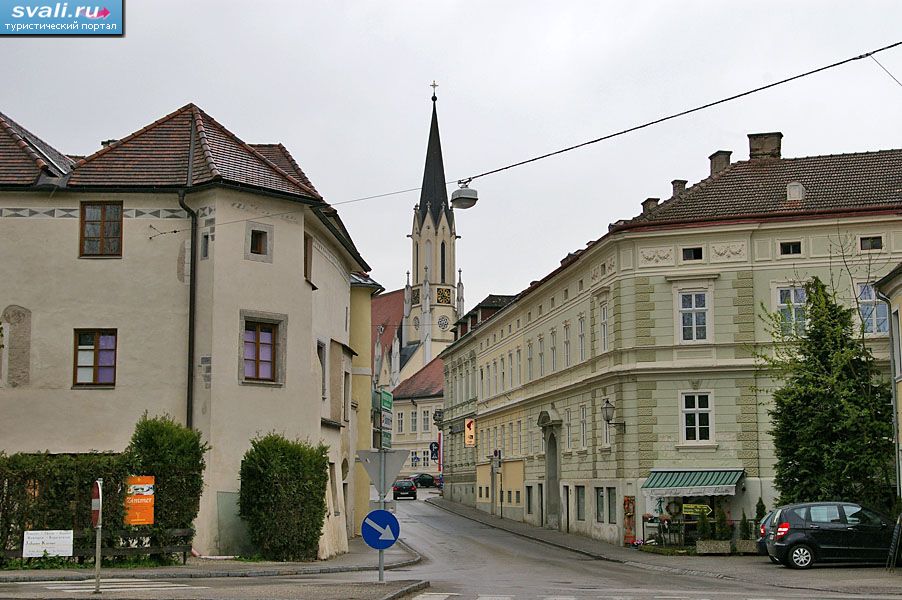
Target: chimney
720	160
649	204
679	186
764	145
106	143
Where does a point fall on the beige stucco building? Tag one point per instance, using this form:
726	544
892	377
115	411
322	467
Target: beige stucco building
890	287
181	271
659	319
416	400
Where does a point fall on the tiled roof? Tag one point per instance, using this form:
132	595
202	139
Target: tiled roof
427	382
24	156
157	156
757	188
278	155
387	312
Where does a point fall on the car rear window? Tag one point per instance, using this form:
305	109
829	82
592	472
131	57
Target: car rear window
404	483
825	513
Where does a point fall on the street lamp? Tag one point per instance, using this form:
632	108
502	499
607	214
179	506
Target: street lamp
464	197
607	413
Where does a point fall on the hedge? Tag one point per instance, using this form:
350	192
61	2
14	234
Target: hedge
283	496
53	491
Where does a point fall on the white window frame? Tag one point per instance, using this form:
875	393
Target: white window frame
510	370
693	293
519	437
583	426
582	338
882	237
399	419
529	360
876	303
503	439
709	411
519	367
541	357
569	424
781	256
553	350
502	374
426	421
793	307
566	346
413	421
603	318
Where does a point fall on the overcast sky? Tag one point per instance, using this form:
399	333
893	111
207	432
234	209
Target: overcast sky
344	85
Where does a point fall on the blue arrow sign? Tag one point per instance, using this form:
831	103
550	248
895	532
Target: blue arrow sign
380	529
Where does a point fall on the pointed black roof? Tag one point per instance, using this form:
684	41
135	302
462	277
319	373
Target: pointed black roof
434	194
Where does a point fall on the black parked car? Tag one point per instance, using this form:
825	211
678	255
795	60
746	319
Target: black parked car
404	488
763	528
803	534
423	480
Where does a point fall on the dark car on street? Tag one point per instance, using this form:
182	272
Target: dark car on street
404	488
763	529
803	534
423	480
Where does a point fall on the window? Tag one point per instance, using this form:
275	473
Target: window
696	412
553	351
693	316
346	397
605	432
321	356
399	418
529	499
413	421
260	351
540	310
580	503
481	383
519	437
510	430
508	496
791	306
790	248
503	440
552	302
502	374
517	497
425	458
566	345
566	293
569	425
612	505
825	513
495	438
425	419
258	242
480	491
308	257
856	515
599	505
510	364
519	366
582	339
541	357
95	357
874	242
874	313
603	329
101	229
529	361
205	246
692	253
583	425
579	285
495	376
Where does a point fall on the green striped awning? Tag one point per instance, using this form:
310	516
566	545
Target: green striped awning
692	482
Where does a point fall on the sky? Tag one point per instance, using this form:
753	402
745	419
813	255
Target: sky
345	86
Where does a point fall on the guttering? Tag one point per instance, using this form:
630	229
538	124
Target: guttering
192	287
892	369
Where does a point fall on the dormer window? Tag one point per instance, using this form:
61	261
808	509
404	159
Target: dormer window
795	192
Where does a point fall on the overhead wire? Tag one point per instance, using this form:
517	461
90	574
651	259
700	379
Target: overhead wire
683	113
885	70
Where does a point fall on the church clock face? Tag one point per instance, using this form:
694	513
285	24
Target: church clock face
443	322
443	296
416	322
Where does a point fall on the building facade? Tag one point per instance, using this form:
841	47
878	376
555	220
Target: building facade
178	271
660	320
890	288
416	400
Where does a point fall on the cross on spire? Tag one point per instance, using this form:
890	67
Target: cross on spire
433	85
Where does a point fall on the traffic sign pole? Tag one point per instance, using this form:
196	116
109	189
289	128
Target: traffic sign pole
97	513
382	507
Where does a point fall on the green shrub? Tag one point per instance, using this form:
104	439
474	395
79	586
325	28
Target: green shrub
760	510
283	496
704	527
174	456
745	527
722	529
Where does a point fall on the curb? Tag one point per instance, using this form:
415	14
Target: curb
212	574
413	587
651	567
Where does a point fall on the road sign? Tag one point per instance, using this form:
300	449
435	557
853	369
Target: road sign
696	509
394	460
433	450
386	439
470	433
386	420
387	400
380	529
96	503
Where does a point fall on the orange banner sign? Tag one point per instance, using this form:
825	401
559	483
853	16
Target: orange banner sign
139	500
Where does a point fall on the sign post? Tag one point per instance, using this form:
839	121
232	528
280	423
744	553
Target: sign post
97	521
382	465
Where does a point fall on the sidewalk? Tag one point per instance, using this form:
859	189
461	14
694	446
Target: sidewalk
359	557
756	569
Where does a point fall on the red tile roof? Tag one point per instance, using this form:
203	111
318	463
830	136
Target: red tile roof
428	381
757	189
278	155
157	156
24	156
387	312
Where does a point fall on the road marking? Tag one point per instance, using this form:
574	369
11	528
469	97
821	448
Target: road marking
112	585
433	596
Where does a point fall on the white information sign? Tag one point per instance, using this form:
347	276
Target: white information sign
55	542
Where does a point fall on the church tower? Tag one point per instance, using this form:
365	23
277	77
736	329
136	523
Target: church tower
433	296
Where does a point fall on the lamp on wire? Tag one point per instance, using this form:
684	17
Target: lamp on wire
607	413
464	197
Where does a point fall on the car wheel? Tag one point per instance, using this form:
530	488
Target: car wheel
800	556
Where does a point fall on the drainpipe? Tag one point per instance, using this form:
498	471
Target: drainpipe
892	366
192	285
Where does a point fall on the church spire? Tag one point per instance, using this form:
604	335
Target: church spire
434	194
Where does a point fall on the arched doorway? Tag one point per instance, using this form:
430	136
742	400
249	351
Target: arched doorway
550	423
